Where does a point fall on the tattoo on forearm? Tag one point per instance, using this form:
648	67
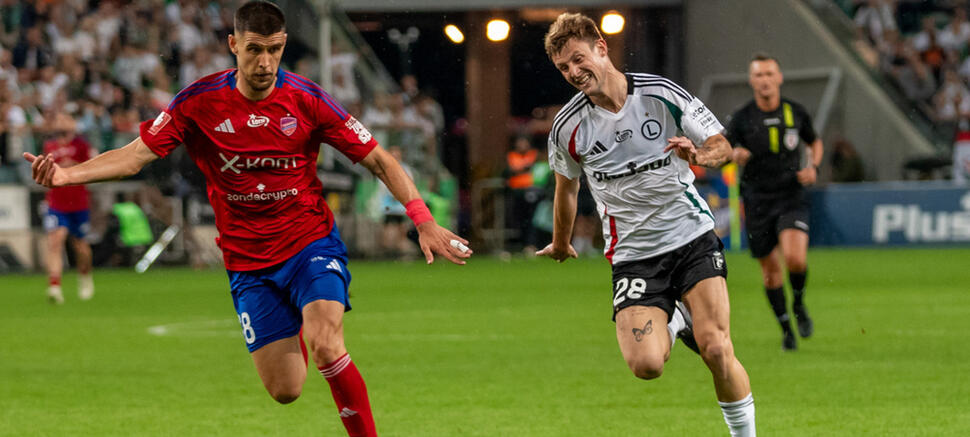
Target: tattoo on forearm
647	330
715	153
709	159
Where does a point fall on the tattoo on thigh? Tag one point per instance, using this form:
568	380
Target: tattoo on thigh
639	333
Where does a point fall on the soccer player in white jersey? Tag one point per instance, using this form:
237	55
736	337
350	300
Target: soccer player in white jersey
621	131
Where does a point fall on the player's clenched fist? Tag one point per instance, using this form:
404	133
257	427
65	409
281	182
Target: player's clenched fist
807	175
559	255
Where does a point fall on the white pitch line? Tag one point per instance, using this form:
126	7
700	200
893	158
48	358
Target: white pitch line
197	328
437	337
230	327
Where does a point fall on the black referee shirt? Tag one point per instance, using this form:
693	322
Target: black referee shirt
773	139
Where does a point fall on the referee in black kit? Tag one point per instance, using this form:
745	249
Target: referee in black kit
767	134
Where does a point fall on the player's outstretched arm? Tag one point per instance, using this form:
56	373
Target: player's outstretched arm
715	153
564	215
432	238
110	165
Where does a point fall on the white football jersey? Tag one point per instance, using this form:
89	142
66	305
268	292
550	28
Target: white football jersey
645	197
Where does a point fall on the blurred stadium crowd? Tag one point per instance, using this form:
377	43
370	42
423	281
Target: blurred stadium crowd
108	65
111	67
923	48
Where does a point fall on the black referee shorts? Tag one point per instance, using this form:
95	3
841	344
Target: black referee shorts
767	215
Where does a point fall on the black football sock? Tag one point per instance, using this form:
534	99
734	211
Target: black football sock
776	297
797	281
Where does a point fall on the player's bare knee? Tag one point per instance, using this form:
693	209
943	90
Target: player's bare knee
327	355
55	240
648	373
771	275
795	263
646	367
715	347
285	395
327	348
283	389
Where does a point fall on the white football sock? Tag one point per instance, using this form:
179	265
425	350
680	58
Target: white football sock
739	416
675	324
85	288
55	295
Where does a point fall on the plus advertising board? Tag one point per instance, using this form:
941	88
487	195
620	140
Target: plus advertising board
891	214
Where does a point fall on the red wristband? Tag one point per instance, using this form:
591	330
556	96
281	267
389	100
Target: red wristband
418	211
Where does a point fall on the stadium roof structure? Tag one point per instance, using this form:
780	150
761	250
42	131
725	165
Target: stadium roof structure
471	5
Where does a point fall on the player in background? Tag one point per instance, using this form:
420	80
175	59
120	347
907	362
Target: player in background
67	216
766	134
255	134
621	132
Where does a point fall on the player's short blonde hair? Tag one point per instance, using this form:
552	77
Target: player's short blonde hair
568	26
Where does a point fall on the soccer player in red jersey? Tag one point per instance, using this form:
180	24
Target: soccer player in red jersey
67	212
255	133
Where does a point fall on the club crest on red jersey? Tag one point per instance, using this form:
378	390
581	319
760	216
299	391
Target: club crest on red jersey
288	125
160	122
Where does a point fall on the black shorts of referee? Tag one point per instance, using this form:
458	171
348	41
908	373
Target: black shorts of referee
767	214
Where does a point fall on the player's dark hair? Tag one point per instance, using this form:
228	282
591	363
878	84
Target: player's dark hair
569	26
259	16
762	56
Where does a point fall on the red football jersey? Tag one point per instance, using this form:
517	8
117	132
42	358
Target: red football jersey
72	198
259	158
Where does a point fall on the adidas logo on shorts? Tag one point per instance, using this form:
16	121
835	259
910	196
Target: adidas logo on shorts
334	265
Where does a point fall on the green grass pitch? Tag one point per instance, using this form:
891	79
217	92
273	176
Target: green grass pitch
521	348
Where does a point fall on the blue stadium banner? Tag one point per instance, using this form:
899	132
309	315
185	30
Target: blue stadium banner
891	214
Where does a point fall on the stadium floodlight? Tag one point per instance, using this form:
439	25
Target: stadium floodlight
612	23
497	30
454	34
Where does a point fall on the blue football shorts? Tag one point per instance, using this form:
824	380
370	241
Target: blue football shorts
269	302
77	223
